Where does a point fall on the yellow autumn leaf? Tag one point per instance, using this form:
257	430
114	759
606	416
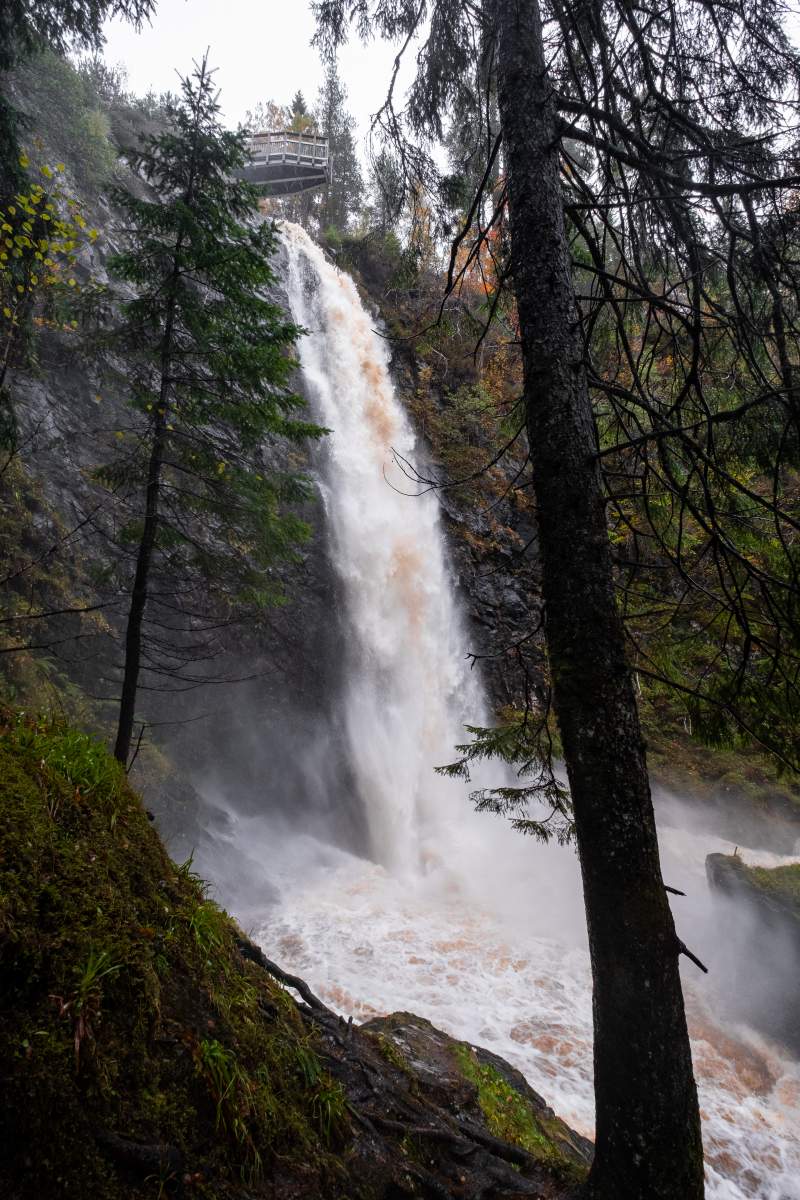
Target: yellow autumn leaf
48	174
7	313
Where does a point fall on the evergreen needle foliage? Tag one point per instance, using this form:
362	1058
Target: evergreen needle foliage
210	357
540	806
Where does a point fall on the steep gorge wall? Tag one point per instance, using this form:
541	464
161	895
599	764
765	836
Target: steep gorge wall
269	734
274	738
460	392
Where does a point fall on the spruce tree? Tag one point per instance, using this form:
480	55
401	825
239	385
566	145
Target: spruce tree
341	197
210	356
387	191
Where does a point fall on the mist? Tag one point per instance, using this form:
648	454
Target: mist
359	868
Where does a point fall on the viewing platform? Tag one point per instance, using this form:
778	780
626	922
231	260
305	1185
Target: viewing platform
284	163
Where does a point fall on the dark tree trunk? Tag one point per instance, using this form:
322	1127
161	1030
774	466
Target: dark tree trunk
144	558
648	1144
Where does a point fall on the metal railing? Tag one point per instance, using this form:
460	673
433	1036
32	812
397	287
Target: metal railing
305	149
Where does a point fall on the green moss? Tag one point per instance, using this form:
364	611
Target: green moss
125	1006
511	1117
782	882
391	1052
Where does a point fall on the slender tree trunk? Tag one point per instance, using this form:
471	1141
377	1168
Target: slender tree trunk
648	1144
144	558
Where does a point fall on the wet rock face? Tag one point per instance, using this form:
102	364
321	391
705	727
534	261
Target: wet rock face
774	893
252	731
762	915
474	1122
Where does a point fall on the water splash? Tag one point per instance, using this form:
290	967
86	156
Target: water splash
459	919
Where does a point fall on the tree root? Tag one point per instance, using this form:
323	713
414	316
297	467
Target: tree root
250	950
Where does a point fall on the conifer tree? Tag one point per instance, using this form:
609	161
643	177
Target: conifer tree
210	355
301	120
341	197
388	192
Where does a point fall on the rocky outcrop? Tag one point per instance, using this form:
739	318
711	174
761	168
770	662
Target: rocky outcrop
763	919
467	1123
268	724
773	893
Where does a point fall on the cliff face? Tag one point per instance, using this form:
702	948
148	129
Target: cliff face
268	737
270	686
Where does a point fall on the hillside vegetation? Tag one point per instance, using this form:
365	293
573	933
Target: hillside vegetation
148	1048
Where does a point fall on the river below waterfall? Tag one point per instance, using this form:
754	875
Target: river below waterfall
453	916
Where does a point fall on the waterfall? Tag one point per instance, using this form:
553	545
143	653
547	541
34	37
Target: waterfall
453	916
409	690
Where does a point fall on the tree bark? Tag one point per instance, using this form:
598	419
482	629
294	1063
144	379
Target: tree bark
144	558
648	1143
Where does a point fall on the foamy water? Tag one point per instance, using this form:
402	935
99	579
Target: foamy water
369	944
463	922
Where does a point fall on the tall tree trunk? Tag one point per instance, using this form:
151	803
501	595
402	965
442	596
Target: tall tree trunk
144	558
648	1144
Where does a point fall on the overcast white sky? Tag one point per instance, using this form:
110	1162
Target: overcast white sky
261	49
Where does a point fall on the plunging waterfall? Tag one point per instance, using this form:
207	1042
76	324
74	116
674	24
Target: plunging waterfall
453	916
409	689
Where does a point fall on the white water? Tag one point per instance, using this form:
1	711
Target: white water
463	921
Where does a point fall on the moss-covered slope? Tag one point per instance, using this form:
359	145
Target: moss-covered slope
147	1049
129	1021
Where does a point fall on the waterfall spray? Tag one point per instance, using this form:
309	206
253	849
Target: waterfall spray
409	689
454	916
